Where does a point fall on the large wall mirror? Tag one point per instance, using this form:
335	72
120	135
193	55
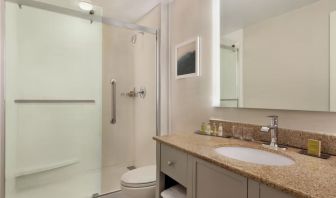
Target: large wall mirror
278	54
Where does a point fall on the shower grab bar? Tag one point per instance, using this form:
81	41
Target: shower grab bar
113	101
53	101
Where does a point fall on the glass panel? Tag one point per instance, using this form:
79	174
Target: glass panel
52	149
129	58
118	139
229	78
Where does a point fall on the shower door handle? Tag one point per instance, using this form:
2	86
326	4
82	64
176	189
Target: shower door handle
113	101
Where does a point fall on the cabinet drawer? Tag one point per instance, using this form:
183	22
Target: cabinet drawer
174	163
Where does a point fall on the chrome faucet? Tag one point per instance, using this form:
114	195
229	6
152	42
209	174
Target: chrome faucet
273	128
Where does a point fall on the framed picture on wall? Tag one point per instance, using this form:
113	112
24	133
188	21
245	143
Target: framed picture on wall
187	58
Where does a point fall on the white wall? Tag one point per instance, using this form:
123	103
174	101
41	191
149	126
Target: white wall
287	57
164	67
333	61
191	101
2	127
191	98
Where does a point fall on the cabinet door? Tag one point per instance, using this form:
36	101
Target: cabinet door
253	189
267	192
210	181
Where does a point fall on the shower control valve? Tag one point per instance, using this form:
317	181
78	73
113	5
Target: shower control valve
133	93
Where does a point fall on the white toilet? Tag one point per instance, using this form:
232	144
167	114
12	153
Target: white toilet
139	183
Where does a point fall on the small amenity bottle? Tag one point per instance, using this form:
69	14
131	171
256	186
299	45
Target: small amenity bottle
220	130
208	129
203	128
214	129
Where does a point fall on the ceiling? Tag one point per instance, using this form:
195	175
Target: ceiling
126	10
237	14
123	10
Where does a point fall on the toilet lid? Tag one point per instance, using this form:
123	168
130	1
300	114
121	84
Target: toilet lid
140	177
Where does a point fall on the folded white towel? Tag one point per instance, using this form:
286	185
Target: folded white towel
177	191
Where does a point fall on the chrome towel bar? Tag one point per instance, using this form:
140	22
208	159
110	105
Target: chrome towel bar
53	101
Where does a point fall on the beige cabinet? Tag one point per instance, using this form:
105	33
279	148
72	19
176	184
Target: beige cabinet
174	164
258	190
210	181
205	180
266	192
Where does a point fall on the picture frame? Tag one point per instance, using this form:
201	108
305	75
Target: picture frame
187	59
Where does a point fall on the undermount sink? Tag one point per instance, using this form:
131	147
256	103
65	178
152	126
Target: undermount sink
255	156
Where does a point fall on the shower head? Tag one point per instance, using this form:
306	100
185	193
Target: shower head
134	39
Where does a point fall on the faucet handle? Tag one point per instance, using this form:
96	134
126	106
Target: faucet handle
265	129
274	121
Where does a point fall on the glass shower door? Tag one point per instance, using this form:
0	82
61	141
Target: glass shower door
129	59
229	82
53	104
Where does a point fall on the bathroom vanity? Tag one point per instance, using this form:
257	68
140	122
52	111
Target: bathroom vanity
191	160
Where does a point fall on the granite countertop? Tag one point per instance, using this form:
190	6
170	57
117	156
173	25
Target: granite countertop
308	177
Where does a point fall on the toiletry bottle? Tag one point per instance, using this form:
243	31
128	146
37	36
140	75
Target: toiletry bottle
220	130
214	129
208	129
203	128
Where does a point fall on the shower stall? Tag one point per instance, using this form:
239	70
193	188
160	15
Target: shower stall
82	99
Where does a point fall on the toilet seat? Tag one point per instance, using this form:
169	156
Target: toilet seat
140	177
